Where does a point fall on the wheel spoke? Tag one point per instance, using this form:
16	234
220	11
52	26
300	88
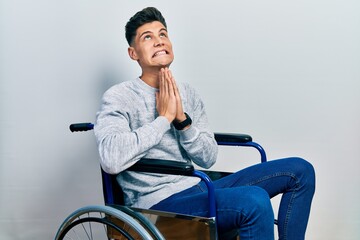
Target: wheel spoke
101	223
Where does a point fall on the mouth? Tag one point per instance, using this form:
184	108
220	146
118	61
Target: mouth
160	53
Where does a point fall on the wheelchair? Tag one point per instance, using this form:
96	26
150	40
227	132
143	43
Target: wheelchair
116	221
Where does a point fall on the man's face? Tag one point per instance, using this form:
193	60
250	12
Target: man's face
151	46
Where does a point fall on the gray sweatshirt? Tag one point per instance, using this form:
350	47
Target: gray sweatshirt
129	128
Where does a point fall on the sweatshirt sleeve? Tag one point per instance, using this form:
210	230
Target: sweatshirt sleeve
197	140
119	146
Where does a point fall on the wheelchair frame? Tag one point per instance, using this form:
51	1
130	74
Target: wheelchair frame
133	218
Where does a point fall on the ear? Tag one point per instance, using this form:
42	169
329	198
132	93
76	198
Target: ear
132	54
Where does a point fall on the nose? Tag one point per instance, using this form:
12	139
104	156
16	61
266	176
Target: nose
158	41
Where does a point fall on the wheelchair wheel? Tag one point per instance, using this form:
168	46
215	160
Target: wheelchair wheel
104	222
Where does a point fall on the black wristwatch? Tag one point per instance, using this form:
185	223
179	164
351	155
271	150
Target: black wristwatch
183	124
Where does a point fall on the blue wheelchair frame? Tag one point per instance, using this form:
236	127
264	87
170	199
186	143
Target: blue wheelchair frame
110	186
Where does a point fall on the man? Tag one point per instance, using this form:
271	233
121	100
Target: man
153	116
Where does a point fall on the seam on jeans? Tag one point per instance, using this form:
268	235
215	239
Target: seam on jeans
288	213
293	190
279	174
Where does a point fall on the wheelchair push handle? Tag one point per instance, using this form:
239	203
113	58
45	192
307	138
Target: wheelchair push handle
81	127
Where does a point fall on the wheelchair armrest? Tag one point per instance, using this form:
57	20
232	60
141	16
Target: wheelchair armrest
236	139
232	138
177	168
163	166
80	127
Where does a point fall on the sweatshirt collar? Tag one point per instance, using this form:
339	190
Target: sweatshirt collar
145	86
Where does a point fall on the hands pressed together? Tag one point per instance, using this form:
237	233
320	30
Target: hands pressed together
168	100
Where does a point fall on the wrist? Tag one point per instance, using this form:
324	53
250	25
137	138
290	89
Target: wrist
182	124
169	118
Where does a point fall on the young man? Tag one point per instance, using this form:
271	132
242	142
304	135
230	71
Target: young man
153	116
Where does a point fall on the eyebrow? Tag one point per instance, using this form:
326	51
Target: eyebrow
146	32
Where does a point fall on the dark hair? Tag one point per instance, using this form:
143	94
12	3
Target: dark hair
147	15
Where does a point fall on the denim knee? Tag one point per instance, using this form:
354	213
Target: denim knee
304	171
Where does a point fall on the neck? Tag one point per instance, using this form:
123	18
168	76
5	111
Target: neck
151	78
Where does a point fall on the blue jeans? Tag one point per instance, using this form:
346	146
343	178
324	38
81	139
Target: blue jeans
243	200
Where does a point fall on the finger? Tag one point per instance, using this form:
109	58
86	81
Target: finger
176	89
170	84
169	73
160	80
171	81
162	87
180	111
171	87
164	81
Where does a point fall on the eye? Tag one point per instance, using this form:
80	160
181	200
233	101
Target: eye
163	34
147	37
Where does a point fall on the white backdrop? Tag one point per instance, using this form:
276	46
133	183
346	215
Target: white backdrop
286	72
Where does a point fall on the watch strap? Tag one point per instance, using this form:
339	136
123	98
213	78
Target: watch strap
183	124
